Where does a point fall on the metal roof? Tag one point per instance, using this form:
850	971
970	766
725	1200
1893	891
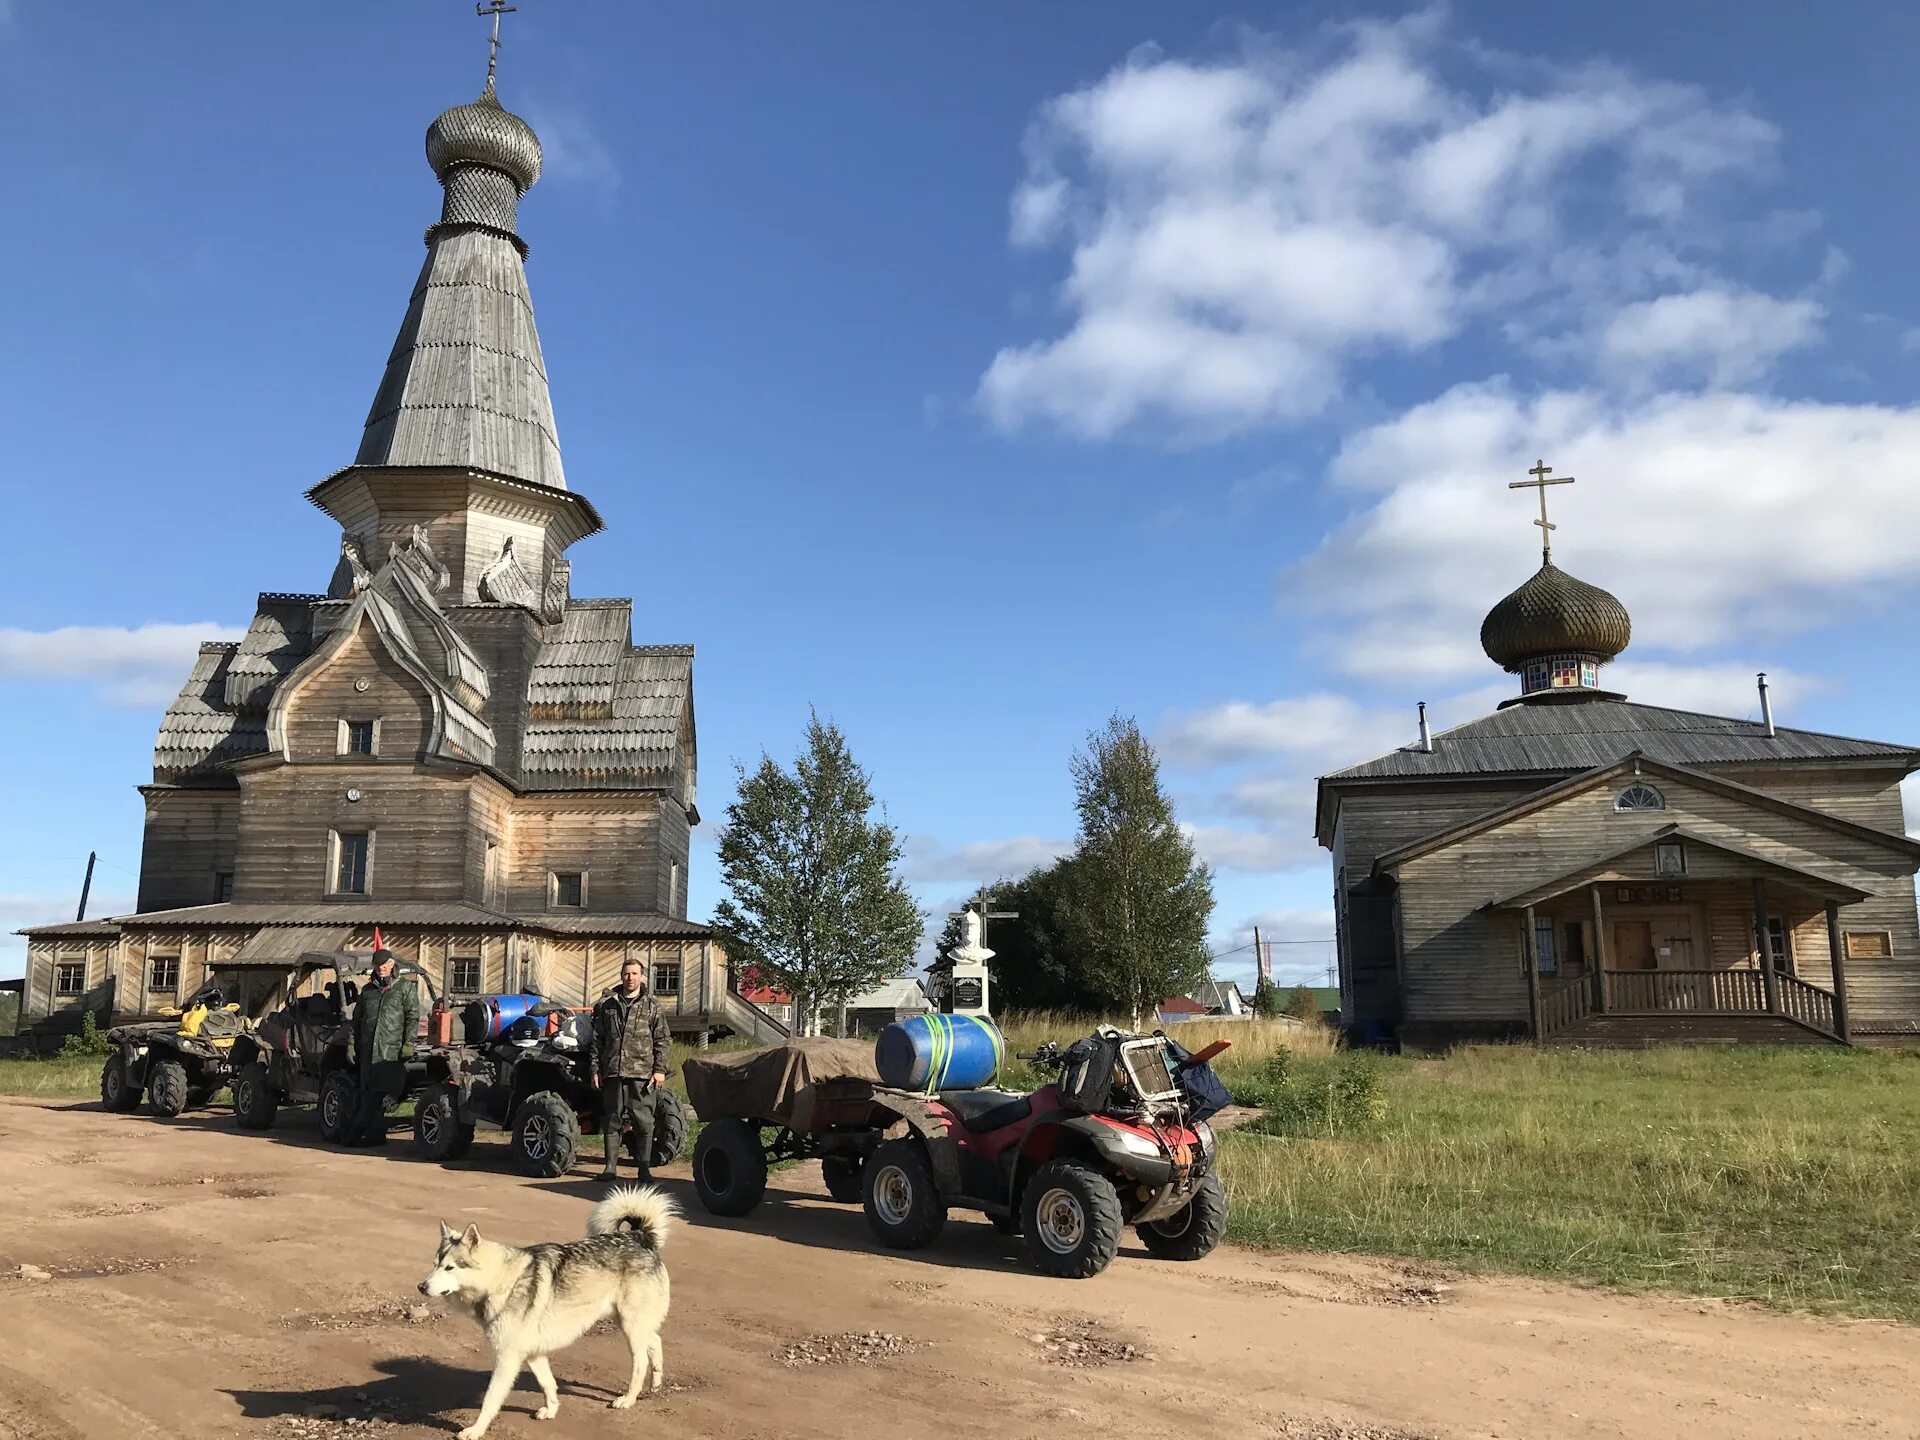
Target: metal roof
1569	737
289	943
633	923
75	929
348	913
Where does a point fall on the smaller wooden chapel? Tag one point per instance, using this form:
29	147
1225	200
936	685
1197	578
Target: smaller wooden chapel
1578	867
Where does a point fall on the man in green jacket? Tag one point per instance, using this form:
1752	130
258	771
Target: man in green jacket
627	1057
386	1018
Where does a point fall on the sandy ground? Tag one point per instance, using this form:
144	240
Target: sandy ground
204	1281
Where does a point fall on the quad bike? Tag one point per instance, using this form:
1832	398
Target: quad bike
179	1063
302	1053
1120	1139
533	1083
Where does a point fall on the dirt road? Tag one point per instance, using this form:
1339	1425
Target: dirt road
203	1281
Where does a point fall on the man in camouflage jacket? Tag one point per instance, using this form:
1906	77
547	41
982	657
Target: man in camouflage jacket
627	1055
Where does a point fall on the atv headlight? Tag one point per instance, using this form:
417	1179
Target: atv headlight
1138	1144
1205	1133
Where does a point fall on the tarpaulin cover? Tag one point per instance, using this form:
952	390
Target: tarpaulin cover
773	1083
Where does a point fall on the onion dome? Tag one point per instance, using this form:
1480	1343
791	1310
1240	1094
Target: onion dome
1556	632
485	133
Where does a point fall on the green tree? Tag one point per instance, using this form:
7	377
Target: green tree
1302	1006
1134	902
815	901
1266	999
1033	967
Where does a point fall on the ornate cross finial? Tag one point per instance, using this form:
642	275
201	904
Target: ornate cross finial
1540	471
495	8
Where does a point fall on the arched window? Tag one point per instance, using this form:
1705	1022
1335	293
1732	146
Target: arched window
1640	797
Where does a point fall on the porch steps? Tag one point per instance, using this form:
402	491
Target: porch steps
1618	1031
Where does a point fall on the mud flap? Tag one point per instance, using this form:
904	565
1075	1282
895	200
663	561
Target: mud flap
912	1115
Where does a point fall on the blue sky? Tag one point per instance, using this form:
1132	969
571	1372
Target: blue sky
971	373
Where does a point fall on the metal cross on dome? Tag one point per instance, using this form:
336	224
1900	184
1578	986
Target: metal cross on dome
495	8
1540	471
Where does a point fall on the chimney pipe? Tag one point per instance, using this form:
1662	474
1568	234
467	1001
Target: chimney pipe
1426	731
1766	706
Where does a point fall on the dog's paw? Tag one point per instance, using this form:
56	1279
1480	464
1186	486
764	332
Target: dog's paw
472	1432
625	1402
546	1412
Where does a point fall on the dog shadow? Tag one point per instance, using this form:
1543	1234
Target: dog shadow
796	1217
412	1389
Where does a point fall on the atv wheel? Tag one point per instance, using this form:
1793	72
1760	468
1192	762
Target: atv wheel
1193	1232
437	1132
669	1131
1071	1220
546	1135
843	1179
117	1092
339	1099
729	1167
166	1088
903	1203
254	1103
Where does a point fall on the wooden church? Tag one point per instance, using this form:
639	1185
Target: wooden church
1578	867
448	743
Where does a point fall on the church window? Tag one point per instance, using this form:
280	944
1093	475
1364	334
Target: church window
223	886
1640	797
1669	858
359	737
463	975
666	979
70	977
1544	953
165	976
569	889
351	853
1869	944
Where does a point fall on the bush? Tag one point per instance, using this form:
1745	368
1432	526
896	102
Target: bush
91	1041
1303	1007
1342	1096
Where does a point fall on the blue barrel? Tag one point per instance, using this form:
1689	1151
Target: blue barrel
939	1052
488	1017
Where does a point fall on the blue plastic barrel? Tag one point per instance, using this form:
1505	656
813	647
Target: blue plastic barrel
490	1015
939	1052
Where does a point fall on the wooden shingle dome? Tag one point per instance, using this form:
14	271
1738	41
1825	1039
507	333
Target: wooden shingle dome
1554	614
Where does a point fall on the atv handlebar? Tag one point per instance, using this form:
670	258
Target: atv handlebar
1049	1055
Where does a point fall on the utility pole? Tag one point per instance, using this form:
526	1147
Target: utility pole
86	888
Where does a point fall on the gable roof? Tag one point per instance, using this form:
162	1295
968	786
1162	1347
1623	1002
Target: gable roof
1537	739
1824	886
1641	764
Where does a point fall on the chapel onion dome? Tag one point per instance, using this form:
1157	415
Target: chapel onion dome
1555	632
485	133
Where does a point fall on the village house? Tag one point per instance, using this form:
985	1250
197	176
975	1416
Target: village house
446	743
1580	867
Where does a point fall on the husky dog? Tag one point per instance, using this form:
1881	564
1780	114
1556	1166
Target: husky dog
540	1300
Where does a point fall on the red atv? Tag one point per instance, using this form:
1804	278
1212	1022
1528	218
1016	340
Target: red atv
1112	1143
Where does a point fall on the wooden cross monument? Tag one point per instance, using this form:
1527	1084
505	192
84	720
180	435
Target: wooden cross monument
1540	471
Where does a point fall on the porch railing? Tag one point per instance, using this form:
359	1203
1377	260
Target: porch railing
1712	992
1808	1004
1564	1003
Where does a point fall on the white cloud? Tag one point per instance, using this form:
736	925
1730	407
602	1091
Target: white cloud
980	861
1252	852
1301	941
571	148
1729	336
1240	232
1312	725
1751	541
139	666
19	909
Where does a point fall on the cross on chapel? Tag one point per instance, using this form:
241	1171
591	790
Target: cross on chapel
495	8
1540	471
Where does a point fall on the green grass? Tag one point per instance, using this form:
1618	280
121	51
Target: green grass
72	1078
1789	1176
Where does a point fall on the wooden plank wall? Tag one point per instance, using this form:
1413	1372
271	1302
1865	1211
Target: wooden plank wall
615	838
393	697
191	836
419	821
1459	965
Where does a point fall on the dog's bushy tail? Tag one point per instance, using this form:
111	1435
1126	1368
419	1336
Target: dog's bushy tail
643	1211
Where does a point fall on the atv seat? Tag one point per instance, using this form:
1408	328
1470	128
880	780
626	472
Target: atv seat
981	1111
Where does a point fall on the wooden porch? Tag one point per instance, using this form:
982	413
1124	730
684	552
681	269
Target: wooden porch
1627	966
